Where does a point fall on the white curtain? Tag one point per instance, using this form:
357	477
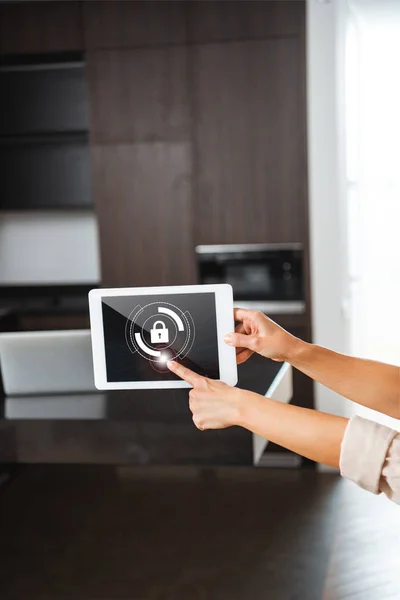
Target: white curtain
372	108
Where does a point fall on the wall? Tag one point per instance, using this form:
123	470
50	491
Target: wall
47	247
325	39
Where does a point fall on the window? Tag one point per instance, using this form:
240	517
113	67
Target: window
373	177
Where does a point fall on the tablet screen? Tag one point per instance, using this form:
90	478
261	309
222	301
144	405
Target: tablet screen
141	333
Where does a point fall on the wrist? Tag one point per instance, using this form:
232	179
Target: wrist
296	350
246	407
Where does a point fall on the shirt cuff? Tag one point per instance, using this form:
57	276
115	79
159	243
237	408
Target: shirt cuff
364	448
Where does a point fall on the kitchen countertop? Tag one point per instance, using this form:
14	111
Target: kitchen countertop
44	306
131	426
44	299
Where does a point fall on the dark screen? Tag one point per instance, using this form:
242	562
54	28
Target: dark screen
142	332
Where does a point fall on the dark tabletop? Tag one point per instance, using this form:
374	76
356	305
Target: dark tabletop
124	427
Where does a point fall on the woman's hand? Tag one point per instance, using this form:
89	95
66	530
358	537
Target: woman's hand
257	333
214	404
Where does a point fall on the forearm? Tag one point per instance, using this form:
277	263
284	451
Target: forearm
372	384
312	434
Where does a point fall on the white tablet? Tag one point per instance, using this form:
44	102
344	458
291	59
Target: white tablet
135	331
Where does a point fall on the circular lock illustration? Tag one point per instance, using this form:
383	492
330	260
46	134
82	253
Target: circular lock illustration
160	339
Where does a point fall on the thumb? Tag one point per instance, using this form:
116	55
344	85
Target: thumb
240	340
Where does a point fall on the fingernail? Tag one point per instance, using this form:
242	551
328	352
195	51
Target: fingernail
170	364
228	339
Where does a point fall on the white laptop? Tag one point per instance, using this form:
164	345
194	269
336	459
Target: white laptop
46	362
56	406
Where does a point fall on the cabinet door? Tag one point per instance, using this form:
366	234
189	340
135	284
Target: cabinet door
251	20
249	142
138	95
142	196
129	24
40	27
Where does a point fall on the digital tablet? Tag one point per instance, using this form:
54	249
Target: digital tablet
135	331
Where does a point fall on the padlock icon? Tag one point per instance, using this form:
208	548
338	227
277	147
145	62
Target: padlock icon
159	335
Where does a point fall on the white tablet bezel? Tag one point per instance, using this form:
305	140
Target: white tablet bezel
225	324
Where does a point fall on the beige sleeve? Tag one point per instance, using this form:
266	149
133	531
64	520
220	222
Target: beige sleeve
370	456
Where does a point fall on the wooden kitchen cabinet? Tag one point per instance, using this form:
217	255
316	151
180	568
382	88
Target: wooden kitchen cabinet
40	27
249	142
142	165
143	199
250	20
129	24
139	95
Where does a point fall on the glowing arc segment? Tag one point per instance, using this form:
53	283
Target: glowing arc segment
145	348
173	315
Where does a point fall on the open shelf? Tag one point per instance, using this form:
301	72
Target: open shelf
44	133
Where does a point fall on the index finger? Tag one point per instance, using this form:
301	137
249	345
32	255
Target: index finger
184	373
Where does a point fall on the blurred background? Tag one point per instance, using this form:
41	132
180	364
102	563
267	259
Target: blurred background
163	143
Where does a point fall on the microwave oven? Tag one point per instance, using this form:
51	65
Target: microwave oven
267	277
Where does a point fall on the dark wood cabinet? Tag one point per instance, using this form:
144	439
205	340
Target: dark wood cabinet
40	27
142	165
129	24
139	95
133	23
143	199
232	97
217	21
248	142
